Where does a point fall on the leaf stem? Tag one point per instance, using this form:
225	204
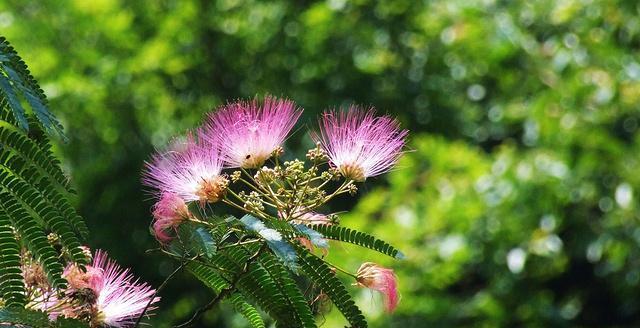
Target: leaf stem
340	269
164	283
223	293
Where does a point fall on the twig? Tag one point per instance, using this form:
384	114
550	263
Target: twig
157	291
223	293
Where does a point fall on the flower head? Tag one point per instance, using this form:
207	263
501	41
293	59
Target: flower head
190	170
103	294
371	275
122	297
168	213
358	143
248	132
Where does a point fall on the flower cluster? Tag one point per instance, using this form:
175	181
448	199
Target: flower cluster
101	294
234	160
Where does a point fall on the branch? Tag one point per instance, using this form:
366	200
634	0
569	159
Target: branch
157	291
223	293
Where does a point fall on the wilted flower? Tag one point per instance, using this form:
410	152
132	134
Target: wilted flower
311	218
192	173
248	132
92	278
168	213
358	143
373	276
34	275
302	215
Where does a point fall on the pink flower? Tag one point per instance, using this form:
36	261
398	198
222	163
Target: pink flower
311	218
122	297
104	294
373	276
302	215
189	170
248	132
92	279
360	144
169	212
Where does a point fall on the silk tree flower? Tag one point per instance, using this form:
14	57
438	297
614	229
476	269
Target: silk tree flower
249	132
122	297
190	170
168	213
106	294
373	276
358	143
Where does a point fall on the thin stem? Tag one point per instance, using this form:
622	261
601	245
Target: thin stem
223	293
340	269
342	189
257	213
304	189
194	259
164	283
268	194
240	243
209	224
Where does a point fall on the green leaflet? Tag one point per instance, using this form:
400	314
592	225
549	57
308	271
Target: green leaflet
274	239
316	238
321	274
246	310
40	205
18	144
262	283
36	176
358	238
282	277
11	282
214	281
36	319
15	79
193	240
24	317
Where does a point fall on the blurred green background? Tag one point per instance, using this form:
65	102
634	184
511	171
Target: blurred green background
517	206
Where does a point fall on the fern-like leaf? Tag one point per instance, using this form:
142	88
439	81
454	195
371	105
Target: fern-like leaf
217	283
35	213
16	79
316	238
18	317
33	238
40	157
193	241
295	299
358	238
11	282
322	275
31	196
274	240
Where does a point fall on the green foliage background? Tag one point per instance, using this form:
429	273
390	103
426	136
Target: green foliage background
518	204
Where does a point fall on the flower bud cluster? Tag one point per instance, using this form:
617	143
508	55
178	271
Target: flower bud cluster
252	202
317	154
